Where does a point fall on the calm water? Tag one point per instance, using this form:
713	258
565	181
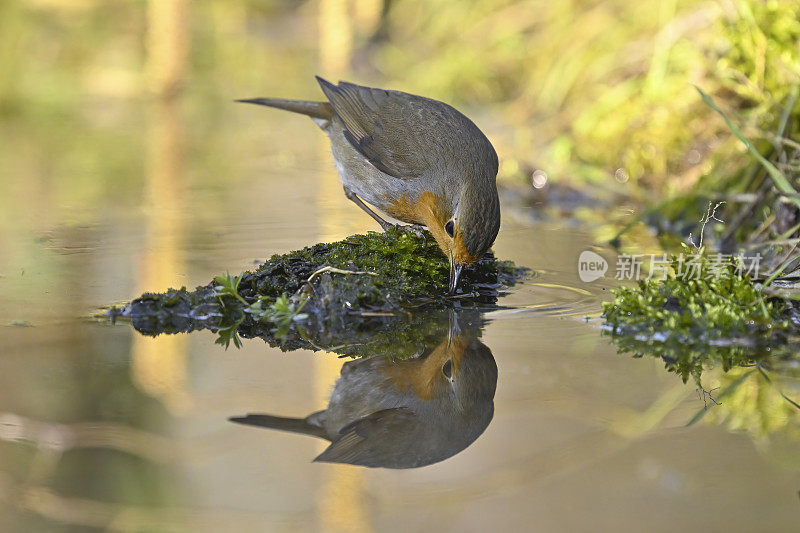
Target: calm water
101	427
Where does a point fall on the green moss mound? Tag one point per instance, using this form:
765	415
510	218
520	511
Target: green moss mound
360	295
705	315
409	270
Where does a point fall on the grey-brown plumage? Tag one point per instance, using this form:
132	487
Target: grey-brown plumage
417	159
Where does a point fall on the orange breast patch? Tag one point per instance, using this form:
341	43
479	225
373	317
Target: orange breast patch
427	209
423	377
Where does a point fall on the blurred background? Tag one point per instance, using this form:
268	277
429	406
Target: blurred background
585	90
597	92
126	167
591	100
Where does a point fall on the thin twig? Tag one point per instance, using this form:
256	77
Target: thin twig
711	214
339	271
764	225
777	242
370	313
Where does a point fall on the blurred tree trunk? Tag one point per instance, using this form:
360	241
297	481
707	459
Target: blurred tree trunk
159	366
167	46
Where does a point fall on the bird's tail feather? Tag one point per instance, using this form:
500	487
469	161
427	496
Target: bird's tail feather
322	110
295	425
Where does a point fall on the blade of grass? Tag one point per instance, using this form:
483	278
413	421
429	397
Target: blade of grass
768	380
788	233
780	270
780	181
787	111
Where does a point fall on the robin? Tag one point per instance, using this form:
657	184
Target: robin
403	413
416	159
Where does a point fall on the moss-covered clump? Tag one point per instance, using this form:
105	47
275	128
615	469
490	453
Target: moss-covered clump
335	295
409	270
703	312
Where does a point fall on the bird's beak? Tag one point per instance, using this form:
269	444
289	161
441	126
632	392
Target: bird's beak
257	101
455	272
453	329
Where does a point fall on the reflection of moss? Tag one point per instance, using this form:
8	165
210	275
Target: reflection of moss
699	315
681	358
348	311
399	336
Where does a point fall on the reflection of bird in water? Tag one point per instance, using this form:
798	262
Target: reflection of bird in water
403	414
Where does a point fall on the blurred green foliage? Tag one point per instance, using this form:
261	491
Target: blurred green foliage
757	56
602	90
588	90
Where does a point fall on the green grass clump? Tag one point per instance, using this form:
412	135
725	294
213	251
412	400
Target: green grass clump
703	312
711	306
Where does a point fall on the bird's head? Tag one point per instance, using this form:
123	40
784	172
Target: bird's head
467	227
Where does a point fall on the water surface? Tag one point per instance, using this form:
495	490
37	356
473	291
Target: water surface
102	427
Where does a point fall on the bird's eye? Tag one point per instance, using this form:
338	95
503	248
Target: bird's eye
447	369
450	227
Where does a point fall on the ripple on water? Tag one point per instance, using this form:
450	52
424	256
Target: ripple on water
551	293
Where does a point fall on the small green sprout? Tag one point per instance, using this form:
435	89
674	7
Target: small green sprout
229	334
228	285
282	312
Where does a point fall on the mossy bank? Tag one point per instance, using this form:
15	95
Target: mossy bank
328	295
712	314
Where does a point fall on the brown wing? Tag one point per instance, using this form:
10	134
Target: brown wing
389	128
374	440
